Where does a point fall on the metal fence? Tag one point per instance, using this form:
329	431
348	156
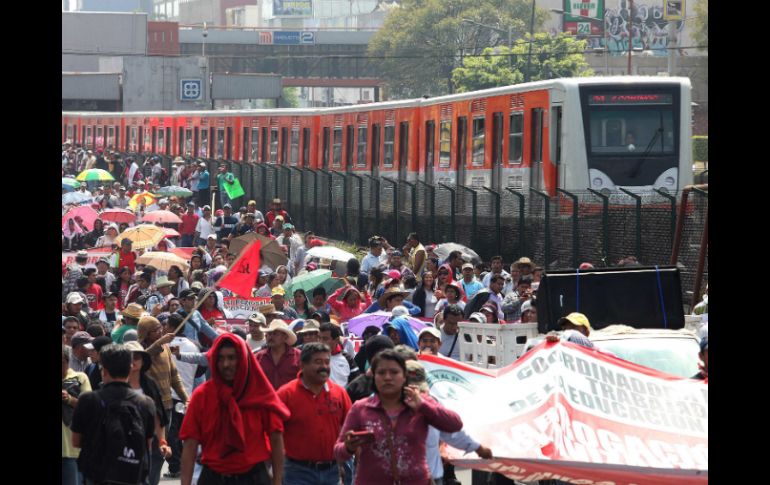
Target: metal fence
556	232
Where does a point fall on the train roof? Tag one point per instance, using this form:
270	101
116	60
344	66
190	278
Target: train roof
562	83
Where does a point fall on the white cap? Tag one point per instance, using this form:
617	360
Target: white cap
400	311
433	331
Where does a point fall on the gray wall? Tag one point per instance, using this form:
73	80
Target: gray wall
104	33
102	86
152	83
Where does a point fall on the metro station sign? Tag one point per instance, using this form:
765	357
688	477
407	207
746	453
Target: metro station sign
584	18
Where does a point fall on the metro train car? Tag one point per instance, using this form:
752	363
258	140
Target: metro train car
603	133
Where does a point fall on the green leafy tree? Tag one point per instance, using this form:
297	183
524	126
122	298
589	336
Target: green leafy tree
701	33
552	57
423	41
290	98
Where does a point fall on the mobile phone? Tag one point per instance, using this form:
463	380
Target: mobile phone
365	435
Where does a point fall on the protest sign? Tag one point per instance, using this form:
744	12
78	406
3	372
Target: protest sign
239	307
570	413
93	256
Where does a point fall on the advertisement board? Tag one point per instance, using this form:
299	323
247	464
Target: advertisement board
292	8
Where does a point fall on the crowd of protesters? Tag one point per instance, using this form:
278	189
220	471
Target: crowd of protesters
295	399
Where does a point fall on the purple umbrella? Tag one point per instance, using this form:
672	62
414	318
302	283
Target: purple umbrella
358	324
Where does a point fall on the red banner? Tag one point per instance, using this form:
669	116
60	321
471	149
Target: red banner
244	273
239	307
574	414
93	256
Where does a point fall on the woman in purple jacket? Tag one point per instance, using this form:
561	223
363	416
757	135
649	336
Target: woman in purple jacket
387	431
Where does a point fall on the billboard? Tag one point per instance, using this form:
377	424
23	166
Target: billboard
674	10
584	18
292	8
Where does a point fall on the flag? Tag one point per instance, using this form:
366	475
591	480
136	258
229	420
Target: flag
243	275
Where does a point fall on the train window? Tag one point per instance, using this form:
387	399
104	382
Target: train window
537	135
160	144
626	131
273	145
515	137
154	140
337	147
203	150
390	132
220	143
88	141
361	160
430	143
284	143
263	158
254	153
110	137
83	136
305	147
133	140
325	146
69	132
188	142
99	137
294	150
479	135
445	143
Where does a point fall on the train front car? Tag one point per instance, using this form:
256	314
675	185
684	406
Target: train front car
636	135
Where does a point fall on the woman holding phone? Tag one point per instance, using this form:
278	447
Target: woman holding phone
387	431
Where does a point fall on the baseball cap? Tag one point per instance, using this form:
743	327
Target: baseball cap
477	317
252	202
279	218
586	266
467	266
74	298
207	207
396	253
82	338
394	274
211	236
577	319
191	204
433	331
278	290
288	226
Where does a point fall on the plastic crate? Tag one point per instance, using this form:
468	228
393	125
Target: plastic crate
491	345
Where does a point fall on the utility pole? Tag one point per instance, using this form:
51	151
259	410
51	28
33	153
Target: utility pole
531	34
630	32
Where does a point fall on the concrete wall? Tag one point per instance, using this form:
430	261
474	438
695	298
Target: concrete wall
104	33
152	83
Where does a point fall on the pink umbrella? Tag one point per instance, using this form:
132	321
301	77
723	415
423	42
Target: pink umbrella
162	217
118	216
184	253
170	232
87	214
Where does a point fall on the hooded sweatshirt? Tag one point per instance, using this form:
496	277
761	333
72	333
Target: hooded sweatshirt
406	334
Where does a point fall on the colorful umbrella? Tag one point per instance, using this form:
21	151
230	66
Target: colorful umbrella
77	198
162	260
118	216
174	191
170	232
358	324
162	217
309	281
95	174
330	252
145	198
142	236
87	214
183	252
272	254
69	184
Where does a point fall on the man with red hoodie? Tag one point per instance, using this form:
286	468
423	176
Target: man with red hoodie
275	211
227	416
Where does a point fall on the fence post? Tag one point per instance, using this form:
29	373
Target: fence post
361	238
432	190
671	199
276	181
522	199
575	240
497	219
344	203
638	199
547	225
414	204
452	211
395	206
263	167
704	241
330	220
315	199
288	184
301	194
474	213
605	223
376	201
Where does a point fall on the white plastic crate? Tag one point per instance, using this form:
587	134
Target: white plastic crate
491	345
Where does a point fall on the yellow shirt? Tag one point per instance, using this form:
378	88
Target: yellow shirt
412	254
67	450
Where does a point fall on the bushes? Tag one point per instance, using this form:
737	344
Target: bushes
700	148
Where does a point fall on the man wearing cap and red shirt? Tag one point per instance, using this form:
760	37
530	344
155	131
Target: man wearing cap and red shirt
225	221
318	409
187	227
279	360
126	257
275	211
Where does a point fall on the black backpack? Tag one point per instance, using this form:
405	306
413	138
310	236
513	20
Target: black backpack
117	453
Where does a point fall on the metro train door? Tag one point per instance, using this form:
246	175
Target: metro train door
403	149
462	148
555	143
376	150
430	150
497	151
536	149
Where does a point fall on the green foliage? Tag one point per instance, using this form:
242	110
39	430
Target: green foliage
423	41
700	148
701	32
289	98
552	57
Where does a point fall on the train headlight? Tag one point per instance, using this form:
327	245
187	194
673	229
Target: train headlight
670	181
667	180
597	182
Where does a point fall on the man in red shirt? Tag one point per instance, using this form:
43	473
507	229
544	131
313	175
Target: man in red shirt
94	293
318	408
233	416
187	227
279	360
126	257
275	211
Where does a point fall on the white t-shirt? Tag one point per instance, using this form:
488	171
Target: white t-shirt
205	228
446	344
370	261
340	370
186	371
255	345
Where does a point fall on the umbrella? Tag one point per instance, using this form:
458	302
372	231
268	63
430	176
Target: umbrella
443	250
95	174
141	198
162	217
331	252
183	252
358	324
84	212
69	184
170	232
174	191
118	216
77	198
162	260
272	254
143	236
309	281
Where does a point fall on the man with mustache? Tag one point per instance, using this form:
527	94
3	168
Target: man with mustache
318	408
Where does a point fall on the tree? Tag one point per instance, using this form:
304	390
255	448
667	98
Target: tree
552	57
701	33
423	41
290	98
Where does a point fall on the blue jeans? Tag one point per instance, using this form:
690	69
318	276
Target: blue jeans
172	435
187	240
69	472
296	474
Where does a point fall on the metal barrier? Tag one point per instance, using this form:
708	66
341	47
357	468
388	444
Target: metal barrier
394	199
452	212
546	226
575	239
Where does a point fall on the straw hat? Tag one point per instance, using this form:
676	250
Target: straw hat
281	326
388	294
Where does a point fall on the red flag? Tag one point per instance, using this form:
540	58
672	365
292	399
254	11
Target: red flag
244	273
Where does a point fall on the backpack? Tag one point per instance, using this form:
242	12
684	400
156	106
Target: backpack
72	386
117	453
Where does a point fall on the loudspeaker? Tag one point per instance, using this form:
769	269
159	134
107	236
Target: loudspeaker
641	297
